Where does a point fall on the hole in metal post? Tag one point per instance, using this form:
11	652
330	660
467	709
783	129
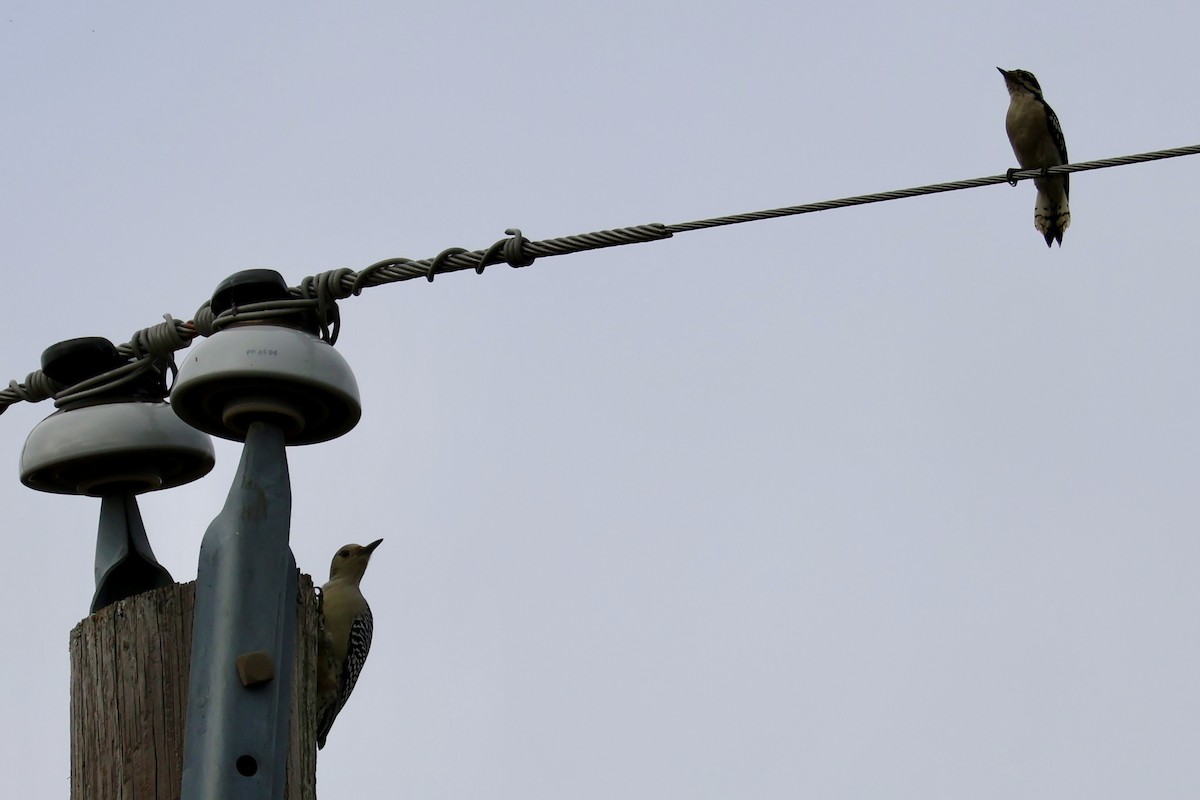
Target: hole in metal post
247	765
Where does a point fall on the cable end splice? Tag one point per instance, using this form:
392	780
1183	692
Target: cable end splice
511	251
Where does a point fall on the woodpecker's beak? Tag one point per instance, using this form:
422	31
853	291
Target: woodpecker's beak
1003	72
370	548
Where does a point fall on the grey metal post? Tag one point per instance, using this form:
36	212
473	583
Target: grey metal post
125	564
239	692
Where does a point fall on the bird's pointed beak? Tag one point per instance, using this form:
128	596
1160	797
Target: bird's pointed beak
370	548
1003	71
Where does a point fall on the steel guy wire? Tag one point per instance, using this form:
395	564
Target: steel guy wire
321	292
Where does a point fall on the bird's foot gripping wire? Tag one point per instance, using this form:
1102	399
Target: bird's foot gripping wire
1009	175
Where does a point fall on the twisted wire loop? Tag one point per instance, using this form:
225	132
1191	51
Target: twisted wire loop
367	277
264	311
435	265
321	292
511	251
105	382
161	340
326	288
158	344
317	294
202	320
151	348
516	251
34	389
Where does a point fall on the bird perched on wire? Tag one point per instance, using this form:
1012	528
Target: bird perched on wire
344	638
1037	141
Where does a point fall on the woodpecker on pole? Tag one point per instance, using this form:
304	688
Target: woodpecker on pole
345	636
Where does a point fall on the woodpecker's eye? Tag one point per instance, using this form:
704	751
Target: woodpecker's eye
343	554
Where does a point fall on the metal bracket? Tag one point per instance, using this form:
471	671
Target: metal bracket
125	564
236	736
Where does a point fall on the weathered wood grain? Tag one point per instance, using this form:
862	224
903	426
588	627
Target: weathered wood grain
129	683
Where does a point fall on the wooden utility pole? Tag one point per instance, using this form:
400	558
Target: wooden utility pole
129	687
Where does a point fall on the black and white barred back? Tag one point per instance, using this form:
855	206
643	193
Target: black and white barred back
356	656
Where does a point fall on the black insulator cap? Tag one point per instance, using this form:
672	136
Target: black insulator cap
75	360
249	286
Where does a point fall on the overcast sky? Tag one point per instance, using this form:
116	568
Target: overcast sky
885	502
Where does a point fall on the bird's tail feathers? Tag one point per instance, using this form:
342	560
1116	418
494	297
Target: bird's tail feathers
1051	219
